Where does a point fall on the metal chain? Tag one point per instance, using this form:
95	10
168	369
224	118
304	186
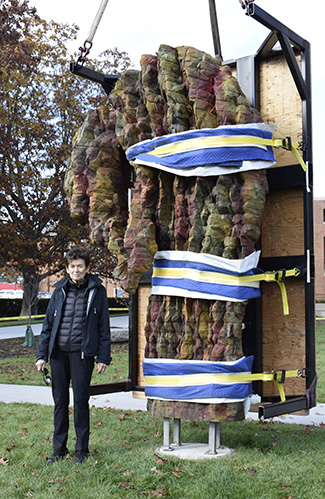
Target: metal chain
84	51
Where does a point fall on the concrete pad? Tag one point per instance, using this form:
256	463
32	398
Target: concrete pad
194	451
121	400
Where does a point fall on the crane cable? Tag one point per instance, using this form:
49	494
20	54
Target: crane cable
84	51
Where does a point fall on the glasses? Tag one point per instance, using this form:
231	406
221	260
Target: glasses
46	377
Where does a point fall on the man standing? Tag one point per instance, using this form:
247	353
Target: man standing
75	331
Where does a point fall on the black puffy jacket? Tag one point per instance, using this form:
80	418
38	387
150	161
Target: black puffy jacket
95	338
69	335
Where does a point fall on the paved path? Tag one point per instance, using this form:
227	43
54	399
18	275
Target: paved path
121	322
126	401
43	395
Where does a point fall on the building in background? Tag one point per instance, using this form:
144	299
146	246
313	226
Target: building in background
112	287
319	230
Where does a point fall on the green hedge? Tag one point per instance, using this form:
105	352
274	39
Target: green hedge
12	308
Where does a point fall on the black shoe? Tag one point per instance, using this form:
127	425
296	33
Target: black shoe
55	457
81	457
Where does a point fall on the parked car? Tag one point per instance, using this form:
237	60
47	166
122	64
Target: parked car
11	293
44	294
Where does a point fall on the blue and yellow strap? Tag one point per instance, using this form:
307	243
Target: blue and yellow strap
193	144
278	377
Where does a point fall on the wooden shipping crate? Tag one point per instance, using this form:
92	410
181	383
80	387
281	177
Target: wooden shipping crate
277	341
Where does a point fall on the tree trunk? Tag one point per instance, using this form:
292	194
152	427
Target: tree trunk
29	303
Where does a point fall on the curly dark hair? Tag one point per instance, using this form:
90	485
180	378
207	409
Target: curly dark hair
77	253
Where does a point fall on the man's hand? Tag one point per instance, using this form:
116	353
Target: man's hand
101	368
40	365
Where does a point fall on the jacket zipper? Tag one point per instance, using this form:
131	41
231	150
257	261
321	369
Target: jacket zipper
90	299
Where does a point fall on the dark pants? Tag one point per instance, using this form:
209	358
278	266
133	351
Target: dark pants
66	366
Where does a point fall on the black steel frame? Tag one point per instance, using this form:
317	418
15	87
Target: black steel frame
106	81
280	178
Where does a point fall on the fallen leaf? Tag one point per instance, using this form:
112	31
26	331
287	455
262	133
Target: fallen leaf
157	492
284	485
164	459
176	474
159	461
97	423
4	461
308	431
154	470
58	480
124	485
303	451
12	446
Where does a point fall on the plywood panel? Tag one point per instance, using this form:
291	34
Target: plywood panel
144	291
284	335
283	224
280	104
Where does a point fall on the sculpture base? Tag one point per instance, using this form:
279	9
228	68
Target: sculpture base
218	413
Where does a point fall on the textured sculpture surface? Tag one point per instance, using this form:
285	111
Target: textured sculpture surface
178	89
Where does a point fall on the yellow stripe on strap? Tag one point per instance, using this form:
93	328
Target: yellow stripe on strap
188	145
222	379
221	278
230	280
194	144
210	378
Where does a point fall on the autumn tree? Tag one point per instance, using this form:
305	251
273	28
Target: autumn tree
42	104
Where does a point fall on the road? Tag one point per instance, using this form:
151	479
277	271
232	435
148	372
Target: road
121	322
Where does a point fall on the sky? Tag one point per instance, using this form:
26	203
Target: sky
140	26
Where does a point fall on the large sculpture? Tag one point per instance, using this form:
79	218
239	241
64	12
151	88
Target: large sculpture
179	89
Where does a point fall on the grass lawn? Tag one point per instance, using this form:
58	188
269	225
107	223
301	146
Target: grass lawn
272	460
22	370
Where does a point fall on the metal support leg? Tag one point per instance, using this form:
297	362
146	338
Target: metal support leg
177	432
166	444
214	438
